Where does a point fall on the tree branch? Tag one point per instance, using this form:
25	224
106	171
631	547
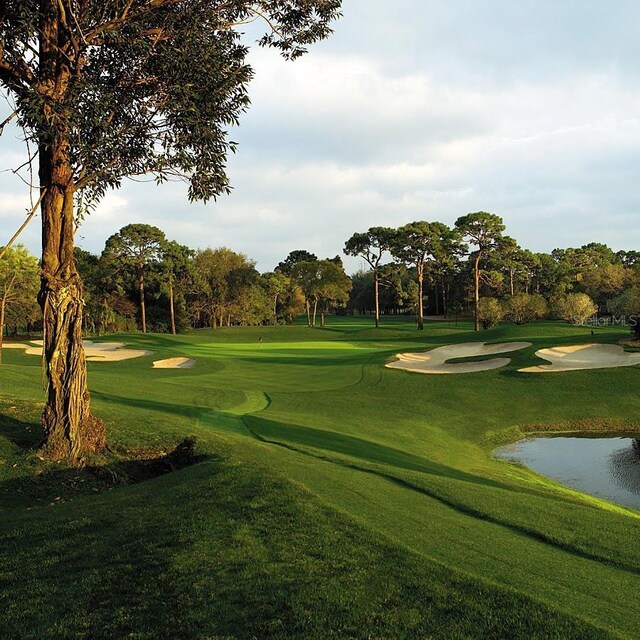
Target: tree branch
24	224
7	120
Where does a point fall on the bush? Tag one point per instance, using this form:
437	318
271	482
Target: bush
522	308
628	304
575	308
490	312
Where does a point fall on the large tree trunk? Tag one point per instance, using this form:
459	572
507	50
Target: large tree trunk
315	309
376	286
143	311
511	281
70	430
476	272
173	315
308	312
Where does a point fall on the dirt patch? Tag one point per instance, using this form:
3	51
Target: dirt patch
583	356
137	469
435	361
38	483
174	363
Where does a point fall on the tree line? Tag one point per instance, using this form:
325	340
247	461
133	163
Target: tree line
474	265
144	281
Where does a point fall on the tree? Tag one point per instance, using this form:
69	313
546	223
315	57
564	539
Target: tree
306	275
575	308
90	270
115	89
294	258
275	284
18	286
133	250
509	257
484	231
333	287
177	268
490	312
446	256
226	279
524	307
596	270
627	305
371	246
415	244
323	283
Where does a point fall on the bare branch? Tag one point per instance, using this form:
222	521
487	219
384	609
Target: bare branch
7	120
24	224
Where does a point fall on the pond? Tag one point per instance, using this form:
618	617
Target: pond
608	468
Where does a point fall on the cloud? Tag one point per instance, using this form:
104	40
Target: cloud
528	110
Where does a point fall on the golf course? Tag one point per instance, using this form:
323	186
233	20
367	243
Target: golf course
326	495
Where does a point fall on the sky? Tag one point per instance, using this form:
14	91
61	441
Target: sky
426	111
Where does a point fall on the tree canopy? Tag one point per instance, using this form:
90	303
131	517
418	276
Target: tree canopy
106	90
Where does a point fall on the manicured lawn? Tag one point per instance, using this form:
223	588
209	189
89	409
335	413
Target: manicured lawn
336	498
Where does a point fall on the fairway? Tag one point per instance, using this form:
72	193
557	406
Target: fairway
334	496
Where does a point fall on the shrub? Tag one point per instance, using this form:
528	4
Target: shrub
575	308
490	312
628	304
522	308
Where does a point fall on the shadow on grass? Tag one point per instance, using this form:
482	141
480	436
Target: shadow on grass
29	481
25	435
53	485
149	405
280	433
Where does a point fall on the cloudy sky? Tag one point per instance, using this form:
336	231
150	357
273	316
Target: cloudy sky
528	109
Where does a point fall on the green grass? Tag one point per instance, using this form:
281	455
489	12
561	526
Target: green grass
337	498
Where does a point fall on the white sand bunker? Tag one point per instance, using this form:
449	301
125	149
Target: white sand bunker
584	356
94	351
174	363
435	361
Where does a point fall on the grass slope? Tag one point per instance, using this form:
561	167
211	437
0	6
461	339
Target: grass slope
337	498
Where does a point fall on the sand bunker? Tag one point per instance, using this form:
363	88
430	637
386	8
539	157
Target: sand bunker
584	356
435	361
94	351
174	363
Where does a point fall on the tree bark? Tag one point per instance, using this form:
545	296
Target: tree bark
173	315
308	313
70	430
376	286
315	308
511	280
476	271
143	311
322	318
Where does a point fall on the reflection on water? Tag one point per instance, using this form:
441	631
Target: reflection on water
605	467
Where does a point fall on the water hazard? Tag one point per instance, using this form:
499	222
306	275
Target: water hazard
608	468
